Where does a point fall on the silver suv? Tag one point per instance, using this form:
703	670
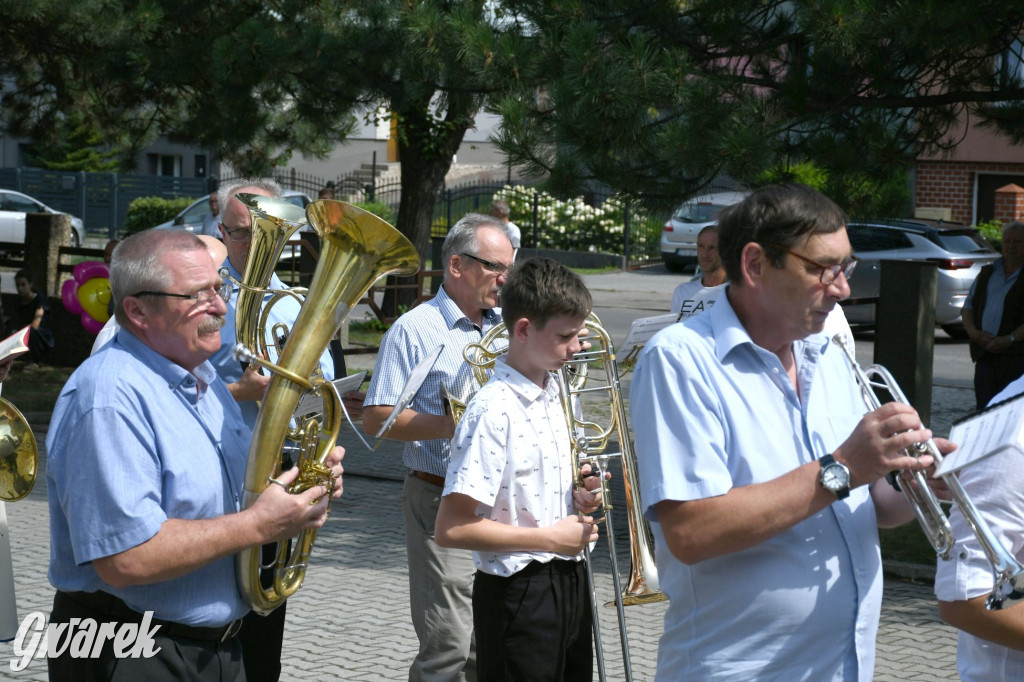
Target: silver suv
679	234
959	251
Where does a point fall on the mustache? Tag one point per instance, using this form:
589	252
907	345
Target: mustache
213	323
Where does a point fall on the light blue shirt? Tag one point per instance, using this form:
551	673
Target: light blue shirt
136	440
712	411
998	286
285	311
414	335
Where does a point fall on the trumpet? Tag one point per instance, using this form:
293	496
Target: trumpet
1008	573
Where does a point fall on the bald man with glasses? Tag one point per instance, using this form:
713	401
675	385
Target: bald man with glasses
476	255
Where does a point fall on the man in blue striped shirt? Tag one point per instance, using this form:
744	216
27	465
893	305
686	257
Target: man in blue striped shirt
475	256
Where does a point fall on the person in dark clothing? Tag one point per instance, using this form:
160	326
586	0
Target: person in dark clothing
993	316
32	310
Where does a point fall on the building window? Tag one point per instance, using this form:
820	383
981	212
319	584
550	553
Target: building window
169	165
200	165
1010	65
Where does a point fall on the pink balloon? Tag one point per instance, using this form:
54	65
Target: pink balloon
69	297
91	325
88	269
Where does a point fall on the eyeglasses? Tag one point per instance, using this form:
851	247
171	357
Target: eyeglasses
828	272
240	235
203	299
496	268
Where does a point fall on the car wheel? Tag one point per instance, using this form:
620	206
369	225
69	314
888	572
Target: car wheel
955	331
672	266
75	241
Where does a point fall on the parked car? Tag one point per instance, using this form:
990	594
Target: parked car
192	216
959	251
14	206
679	235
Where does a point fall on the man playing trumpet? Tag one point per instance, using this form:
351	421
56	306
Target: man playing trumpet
761	479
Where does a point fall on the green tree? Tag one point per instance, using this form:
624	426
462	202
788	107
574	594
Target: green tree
657	99
260	80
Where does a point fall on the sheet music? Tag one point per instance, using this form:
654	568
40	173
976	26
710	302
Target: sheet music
989	432
641	332
310	403
416	379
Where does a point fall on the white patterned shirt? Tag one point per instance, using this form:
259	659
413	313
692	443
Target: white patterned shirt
511	454
436	322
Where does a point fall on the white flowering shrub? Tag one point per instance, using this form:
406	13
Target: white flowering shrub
577	226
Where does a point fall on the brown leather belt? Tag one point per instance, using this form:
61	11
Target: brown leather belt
429	478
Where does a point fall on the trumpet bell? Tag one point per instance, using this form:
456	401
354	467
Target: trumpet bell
19	454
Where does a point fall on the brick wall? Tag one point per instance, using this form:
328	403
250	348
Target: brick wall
950	184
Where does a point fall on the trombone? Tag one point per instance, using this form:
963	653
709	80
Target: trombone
589	443
1008	573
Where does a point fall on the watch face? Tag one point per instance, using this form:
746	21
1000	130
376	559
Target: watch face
835	477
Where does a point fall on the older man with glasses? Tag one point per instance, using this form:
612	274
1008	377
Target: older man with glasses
262	636
476	255
147	453
763	482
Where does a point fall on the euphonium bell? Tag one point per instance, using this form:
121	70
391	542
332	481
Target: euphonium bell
357	248
274	221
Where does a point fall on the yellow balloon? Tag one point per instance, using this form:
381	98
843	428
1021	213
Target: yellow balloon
94	295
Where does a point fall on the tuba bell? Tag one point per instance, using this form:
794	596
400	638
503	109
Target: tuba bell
19	454
357	249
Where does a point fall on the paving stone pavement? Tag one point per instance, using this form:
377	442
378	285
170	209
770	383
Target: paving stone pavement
350	619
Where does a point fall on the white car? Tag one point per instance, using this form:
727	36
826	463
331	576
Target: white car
14	206
679	235
191	218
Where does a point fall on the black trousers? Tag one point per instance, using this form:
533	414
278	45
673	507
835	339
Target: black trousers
179	658
263	636
994	373
535	625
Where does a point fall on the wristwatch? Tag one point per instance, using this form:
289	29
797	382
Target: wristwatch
835	477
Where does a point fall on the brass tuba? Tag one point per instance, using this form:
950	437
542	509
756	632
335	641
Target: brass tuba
357	249
274	221
19	454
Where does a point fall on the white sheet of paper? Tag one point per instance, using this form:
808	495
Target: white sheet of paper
642	330
416	378
992	431
309	403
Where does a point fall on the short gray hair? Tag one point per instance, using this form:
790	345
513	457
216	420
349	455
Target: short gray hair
225	193
1013	225
136	266
462	237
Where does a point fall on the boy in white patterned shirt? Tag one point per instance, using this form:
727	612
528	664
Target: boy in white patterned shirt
509	493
